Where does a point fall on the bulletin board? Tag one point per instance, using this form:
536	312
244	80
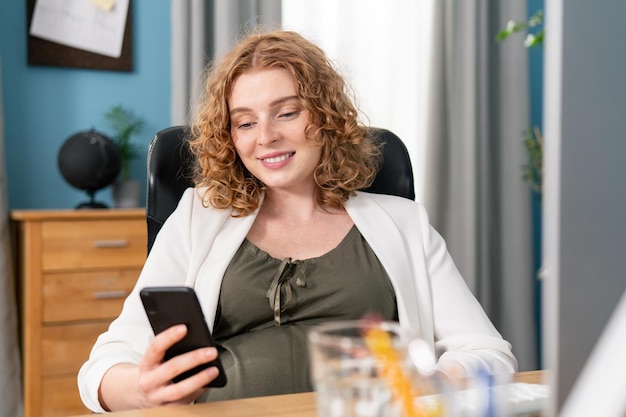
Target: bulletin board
44	52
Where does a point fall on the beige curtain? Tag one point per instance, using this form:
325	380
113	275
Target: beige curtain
10	369
474	191
203	30
390	83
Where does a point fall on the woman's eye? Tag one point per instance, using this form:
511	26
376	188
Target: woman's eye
289	114
244	125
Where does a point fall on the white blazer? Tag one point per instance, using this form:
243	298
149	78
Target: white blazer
195	246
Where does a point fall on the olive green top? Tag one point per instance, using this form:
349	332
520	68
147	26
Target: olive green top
267	306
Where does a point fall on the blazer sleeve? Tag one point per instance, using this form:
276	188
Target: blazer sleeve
463	333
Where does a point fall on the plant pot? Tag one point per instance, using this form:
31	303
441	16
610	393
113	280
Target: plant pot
126	194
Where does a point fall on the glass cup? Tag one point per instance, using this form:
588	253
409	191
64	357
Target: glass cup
362	369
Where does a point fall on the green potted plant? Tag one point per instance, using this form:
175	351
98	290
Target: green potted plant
126	191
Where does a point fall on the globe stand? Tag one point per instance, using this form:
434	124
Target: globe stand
92	203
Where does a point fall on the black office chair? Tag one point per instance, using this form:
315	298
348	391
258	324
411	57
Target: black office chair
169	173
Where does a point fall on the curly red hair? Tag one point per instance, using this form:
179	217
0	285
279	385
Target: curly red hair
349	158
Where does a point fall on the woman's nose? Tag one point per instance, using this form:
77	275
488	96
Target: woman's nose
267	134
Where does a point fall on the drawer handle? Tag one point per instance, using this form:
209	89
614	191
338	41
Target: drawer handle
110	243
105	295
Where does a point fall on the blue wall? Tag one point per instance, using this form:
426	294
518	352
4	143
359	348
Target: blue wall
535	62
43	106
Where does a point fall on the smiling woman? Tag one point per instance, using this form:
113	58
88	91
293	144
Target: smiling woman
276	238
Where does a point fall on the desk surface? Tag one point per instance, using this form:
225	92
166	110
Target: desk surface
291	405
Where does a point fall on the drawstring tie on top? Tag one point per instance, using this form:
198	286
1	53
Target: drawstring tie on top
281	280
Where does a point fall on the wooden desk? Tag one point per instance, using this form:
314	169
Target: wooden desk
291	405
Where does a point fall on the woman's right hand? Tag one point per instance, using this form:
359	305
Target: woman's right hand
152	378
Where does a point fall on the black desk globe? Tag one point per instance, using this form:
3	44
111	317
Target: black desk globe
89	161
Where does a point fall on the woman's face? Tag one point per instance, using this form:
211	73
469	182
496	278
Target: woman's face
267	126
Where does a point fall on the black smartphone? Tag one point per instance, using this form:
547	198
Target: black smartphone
169	306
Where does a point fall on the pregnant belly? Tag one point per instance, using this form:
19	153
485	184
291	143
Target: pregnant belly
270	361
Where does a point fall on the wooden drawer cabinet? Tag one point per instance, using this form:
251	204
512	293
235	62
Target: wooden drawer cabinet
76	267
94	294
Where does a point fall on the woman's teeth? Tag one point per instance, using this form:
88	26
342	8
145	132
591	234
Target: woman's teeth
276	159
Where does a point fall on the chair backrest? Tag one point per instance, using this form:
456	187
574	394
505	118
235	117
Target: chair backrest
169	173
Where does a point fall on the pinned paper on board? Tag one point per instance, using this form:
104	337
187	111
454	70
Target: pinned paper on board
105	5
96	26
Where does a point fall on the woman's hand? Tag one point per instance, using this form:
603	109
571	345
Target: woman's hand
152	378
155	376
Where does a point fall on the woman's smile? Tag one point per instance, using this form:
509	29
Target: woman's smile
272	161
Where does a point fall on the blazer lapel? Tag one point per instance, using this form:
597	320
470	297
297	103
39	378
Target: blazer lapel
387	242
